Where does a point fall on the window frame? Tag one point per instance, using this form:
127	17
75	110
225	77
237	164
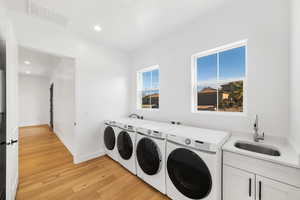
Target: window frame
139	87
194	83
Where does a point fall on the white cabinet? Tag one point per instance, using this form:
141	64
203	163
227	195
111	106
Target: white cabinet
238	184
242	185
268	189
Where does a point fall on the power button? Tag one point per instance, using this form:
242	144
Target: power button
187	141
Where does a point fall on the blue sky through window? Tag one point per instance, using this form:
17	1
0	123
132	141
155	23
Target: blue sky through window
231	66
207	67
151	80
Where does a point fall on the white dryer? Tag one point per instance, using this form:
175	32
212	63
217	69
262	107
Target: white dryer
109	139
126	142
194	163
150	154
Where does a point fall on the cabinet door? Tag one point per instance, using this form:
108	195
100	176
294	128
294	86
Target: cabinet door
267	189
238	184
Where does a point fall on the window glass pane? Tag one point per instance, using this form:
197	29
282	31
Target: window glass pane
232	64
232	73
150	99
207	97
146	77
146	99
150	89
154	98
155	79
231	96
207	68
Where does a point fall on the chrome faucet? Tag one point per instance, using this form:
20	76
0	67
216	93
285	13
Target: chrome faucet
256	135
136	116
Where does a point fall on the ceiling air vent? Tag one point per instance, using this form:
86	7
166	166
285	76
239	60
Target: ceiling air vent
35	8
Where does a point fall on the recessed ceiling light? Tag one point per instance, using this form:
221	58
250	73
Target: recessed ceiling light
97	28
28	72
27	62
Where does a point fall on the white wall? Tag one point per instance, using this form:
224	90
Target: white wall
63	79
102	78
295	71
34	104
266	26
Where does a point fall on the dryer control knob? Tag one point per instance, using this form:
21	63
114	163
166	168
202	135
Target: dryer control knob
187	141
149	132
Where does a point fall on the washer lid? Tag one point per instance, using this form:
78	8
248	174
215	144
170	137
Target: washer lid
199	138
130	124
156	129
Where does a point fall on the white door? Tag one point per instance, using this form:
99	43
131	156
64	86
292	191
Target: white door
267	189
238	184
12	133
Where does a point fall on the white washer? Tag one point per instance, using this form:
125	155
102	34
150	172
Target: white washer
151	153
126	142
109	139
194	163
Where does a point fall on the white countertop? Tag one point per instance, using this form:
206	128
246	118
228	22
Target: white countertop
288	157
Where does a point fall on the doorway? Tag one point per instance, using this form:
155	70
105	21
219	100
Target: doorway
51	106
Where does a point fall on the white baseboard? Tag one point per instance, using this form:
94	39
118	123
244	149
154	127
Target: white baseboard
15	186
37	123
11	191
82	158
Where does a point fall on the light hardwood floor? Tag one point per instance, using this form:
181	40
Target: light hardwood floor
47	172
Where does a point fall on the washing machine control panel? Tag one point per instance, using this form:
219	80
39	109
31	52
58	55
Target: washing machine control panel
129	127
157	134
196	144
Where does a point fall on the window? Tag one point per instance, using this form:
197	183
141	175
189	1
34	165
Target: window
219	79
148	88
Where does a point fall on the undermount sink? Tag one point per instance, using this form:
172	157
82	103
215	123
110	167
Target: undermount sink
257	148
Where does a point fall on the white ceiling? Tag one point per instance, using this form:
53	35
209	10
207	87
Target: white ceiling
41	64
126	24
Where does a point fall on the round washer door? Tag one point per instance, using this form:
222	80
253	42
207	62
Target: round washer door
125	145
148	156
109	138
189	173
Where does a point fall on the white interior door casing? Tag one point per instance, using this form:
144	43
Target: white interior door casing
267	189
238	184
11	111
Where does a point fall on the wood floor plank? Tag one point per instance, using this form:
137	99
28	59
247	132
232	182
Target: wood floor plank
46	171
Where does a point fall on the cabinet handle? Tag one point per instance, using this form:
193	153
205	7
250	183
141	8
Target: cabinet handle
259	192
250	187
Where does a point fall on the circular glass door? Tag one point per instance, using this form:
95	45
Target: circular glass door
189	173
148	156
125	146
109	138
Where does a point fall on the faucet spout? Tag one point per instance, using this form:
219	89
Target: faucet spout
256	135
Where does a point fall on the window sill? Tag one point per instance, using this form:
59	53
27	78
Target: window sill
148	109
238	114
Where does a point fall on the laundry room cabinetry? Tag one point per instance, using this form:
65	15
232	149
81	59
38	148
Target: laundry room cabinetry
254	179
268	189
238	184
